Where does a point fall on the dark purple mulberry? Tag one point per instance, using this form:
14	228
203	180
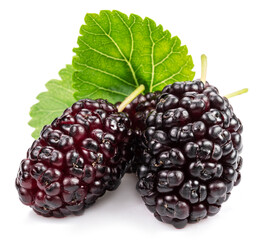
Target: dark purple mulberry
190	158
76	159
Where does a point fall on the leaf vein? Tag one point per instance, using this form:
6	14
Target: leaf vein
109	23
172	76
106	73
61	87
161	38
101	53
152	57
91	33
102	88
56	100
119	50
168	55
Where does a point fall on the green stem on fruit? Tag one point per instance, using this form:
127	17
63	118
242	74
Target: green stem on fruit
204	68
245	90
131	97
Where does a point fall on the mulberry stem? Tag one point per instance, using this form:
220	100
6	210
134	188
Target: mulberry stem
236	93
204	68
131	97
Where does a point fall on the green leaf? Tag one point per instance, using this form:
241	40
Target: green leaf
53	102
116	54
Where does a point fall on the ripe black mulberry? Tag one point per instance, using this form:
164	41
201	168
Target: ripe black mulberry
190	161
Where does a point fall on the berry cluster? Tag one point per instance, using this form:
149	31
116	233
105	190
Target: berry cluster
190	160
183	143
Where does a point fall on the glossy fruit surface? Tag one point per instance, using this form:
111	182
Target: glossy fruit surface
191	160
76	159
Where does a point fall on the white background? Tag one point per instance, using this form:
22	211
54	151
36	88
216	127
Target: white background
36	41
